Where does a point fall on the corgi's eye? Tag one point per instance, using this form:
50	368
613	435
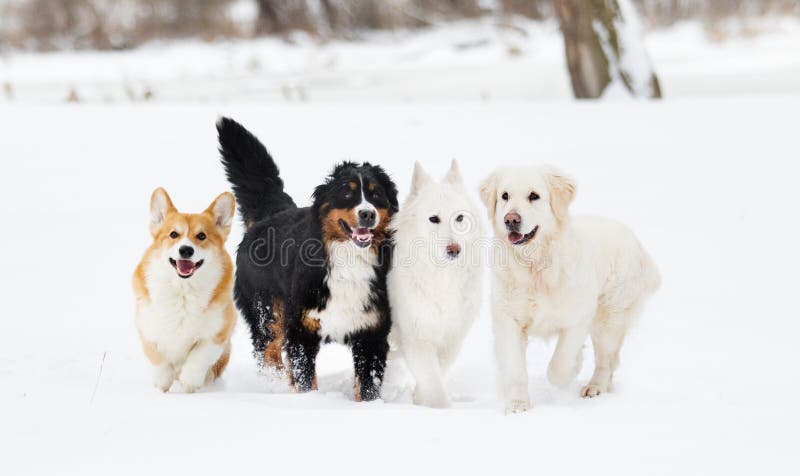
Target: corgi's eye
505	196
201	236
174	235
434	219
533	196
460	218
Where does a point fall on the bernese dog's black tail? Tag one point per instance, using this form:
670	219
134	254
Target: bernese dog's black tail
252	173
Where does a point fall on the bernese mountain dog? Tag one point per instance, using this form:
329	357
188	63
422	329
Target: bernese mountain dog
310	275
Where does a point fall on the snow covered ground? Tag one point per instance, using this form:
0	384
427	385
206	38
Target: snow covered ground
708	378
468	61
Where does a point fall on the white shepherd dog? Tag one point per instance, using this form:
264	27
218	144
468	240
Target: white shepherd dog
436	279
563	276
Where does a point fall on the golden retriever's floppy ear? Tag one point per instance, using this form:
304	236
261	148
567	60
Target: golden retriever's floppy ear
222	209
453	176
489	193
419	179
160	207
562	191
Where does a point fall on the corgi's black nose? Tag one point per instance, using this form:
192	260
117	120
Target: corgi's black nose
366	218
186	252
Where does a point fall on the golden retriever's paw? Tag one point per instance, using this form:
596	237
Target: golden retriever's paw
592	390
562	375
517	406
192	378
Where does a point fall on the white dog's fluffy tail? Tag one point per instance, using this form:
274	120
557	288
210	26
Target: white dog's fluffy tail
652	276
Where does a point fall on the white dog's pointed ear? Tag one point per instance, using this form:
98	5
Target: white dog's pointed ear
222	209
453	176
562	191
489	193
160	206
419	179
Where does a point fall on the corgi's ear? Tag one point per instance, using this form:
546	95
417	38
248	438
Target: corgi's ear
222	209
160	206
453	176
419	179
489	193
562	191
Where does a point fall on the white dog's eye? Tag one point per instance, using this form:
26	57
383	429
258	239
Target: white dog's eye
460	218
505	196
533	196
434	219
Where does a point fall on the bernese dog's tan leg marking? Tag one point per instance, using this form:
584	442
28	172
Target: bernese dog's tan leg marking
273	351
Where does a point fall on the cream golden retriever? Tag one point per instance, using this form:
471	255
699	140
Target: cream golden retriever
558	275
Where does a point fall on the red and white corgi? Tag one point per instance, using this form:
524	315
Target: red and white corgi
184	305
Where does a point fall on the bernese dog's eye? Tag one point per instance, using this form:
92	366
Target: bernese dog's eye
460	218
174	235
434	219
533	196
201	236
505	196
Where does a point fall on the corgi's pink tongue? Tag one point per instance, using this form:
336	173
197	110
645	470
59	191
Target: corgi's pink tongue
362	234
185	266
514	236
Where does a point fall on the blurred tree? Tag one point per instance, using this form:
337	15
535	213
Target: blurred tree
604	45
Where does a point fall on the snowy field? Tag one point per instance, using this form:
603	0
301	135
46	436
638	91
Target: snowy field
708	379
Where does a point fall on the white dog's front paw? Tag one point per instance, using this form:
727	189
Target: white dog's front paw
163	376
192	377
517	406
592	390
561	375
431	400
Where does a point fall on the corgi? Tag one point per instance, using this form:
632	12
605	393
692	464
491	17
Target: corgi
183	287
435	285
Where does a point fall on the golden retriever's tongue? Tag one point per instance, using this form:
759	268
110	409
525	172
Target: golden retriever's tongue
514	236
185	266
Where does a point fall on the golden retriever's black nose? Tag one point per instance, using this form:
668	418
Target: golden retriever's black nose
512	220
366	218
186	252
453	249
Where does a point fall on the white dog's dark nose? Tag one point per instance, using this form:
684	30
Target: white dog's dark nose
453	249
512	220
186	252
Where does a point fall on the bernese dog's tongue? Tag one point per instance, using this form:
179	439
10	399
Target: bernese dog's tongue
362	234
514	236
185	266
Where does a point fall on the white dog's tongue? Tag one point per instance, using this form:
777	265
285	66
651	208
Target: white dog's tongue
514	236
185	267
363	235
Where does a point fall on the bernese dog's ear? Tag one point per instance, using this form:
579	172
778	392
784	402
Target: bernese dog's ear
388	186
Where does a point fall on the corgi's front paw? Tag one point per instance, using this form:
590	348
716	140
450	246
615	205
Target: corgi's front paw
163	376
517	406
192	377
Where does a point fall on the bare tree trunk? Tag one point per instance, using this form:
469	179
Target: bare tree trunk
603	45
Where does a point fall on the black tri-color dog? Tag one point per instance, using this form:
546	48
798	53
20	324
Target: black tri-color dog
314	274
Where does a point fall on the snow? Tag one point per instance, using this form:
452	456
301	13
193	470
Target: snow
707	179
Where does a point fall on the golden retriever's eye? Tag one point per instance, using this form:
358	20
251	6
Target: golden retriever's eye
201	236
505	196
174	235
533	196
434	219
460	218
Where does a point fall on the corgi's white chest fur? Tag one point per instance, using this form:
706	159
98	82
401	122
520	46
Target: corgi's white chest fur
178	314
348	280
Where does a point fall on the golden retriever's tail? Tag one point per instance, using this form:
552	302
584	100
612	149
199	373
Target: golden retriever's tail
652	276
